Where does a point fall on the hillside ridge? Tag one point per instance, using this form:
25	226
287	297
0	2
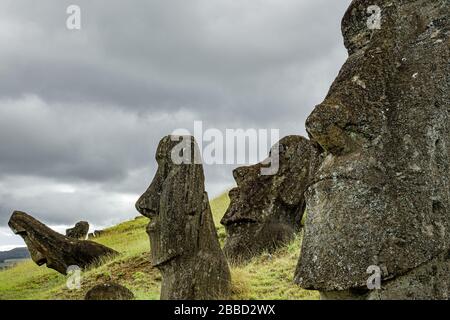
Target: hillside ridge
16	253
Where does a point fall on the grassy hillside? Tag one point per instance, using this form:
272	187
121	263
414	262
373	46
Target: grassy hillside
16	253
266	277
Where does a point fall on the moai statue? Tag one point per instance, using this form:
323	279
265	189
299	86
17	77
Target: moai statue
266	209
183	238
379	206
53	249
79	231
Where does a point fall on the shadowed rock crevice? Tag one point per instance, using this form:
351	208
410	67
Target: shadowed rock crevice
53	249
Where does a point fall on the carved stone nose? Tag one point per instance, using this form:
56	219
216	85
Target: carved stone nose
327	124
141	205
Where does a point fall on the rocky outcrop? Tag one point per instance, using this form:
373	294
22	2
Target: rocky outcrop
53	249
266	210
184	242
80	230
109	291
381	197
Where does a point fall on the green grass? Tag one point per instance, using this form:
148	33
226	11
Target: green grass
269	276
265	277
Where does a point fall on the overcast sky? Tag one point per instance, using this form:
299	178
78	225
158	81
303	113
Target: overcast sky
82	111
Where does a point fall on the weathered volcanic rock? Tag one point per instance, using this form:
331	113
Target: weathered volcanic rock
266	209
57	251
80	230
109	291
184	242
381	196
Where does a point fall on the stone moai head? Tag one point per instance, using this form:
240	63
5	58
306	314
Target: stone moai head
173	199
79	231
381	195
184	242
265	211
53	249
30	230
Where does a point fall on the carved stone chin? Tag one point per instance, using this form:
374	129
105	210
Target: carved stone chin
183	238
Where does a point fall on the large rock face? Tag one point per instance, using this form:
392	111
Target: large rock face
381	195
79	231
266	210
184	242
57	251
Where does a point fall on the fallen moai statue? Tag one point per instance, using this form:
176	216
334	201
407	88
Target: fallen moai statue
53	249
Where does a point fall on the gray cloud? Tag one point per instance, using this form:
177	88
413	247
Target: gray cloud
81	112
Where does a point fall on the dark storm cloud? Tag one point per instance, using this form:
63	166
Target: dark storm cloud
69	143
81	112
204	55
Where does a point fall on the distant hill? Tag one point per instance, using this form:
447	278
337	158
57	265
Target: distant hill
16	253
